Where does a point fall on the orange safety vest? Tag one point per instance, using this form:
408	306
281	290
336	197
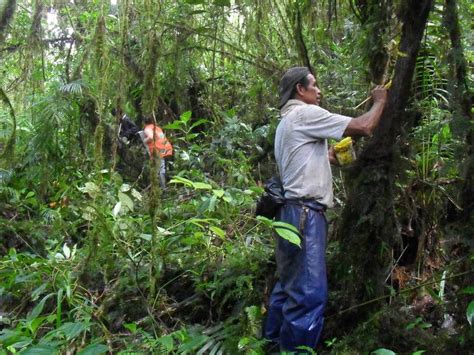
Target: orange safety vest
159	143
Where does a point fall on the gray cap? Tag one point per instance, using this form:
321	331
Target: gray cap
288	82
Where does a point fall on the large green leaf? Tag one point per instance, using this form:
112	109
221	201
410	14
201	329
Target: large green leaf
218	231
72	330
383	351
35	323
280	224
470	313
117	208
39	291
40	350
202	186
167	342
285	230
38	309
131	326
185	116
307	349
8	336
218	193
91	189
199	122
94	349
174	125
264	220
468	290
181	180
22	343
126	200
289	235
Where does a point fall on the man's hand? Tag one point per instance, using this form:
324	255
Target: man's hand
365	124
332	156
379	94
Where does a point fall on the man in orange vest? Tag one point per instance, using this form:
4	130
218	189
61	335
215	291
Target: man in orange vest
157	143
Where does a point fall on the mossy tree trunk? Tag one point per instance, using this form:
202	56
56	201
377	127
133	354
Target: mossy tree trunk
368	231
376	16
6	14
461	105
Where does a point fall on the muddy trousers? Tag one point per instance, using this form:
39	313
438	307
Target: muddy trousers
297	303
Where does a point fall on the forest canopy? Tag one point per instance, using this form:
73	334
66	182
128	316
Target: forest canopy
97	257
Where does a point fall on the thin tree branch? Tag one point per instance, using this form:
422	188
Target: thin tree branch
232	55
15	47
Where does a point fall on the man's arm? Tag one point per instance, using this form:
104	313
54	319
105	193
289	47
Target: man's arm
147	135
365	124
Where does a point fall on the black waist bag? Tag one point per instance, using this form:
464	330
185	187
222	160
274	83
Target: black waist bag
272	199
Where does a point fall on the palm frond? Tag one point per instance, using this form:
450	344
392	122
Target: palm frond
429	80
74	87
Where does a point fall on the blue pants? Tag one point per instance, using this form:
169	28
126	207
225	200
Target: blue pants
297	303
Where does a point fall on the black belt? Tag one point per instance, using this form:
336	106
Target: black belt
311	203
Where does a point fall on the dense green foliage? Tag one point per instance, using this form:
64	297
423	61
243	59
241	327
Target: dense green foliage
96	258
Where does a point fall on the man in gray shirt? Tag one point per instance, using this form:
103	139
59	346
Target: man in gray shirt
296	310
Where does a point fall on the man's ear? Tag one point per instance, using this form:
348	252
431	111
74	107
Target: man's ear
299	89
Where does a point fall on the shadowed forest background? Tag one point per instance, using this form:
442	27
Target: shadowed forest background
96	258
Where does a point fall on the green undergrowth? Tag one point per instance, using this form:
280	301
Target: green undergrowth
96	258
398	328
77	271
88	267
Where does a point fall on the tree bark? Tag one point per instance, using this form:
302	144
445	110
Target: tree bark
9	153
368	231
299	39
6	14
376	18
461	104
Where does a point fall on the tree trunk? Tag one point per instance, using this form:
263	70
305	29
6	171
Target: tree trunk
461	105
368	231
299	39
375	17
9	152
6	14
7	10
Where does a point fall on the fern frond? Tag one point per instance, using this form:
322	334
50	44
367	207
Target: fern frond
5	176
429	81
74	87
9	194
49	215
